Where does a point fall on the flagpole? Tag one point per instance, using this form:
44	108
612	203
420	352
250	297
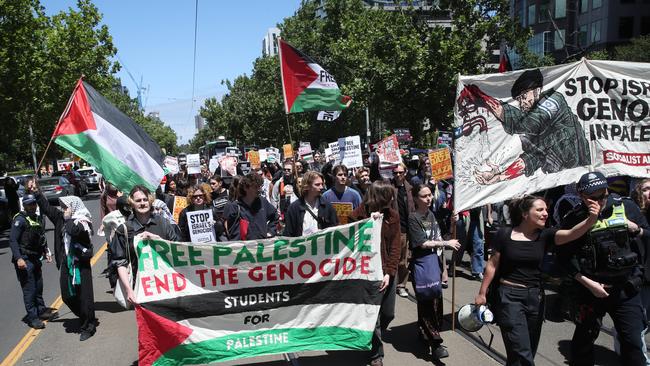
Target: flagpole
65	111
289	129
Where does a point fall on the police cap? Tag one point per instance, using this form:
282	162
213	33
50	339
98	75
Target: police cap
29	199
591	182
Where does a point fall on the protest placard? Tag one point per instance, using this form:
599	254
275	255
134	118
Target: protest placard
334	153
287	149
171	163
202	303
441	167
445	139
350	151
343	210
304	149
193	164
62	165
228	166
213	165
254	159
388	151
180	202
201	226
263	155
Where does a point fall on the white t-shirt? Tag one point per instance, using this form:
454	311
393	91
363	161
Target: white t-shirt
309	223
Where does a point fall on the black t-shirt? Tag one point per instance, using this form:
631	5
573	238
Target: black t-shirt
422	228
521	261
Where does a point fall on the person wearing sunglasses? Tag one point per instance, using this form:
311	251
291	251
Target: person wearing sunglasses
199	198
405	207
605	264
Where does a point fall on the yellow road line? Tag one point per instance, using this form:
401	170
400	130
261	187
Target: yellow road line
31	335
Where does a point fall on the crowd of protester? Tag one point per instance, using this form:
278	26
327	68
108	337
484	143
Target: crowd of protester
507	243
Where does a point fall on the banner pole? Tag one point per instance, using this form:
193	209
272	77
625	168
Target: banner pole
453	276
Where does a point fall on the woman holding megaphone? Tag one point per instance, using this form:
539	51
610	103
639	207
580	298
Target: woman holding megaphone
516	269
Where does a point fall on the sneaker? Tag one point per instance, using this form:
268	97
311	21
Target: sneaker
37	324
377	362
401	292
477	276
445	284
440	352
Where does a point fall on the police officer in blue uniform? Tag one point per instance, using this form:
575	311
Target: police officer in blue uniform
604	264
28	247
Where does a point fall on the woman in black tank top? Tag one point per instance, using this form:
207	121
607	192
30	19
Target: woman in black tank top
517	291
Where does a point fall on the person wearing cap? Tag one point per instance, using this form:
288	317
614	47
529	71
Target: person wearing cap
605	265
28	246
552	138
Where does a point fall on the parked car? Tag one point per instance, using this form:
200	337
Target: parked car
55	187
5	215
80	187
92	177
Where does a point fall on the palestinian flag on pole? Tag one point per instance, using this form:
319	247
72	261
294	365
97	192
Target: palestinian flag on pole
306	86
200	303
99	133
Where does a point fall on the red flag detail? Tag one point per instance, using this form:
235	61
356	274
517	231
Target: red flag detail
78	117
296	74
504	62
157	335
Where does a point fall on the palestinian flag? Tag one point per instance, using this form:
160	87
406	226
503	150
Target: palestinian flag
258	297
306	86
99	133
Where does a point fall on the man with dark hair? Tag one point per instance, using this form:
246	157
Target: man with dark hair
552	138
341	193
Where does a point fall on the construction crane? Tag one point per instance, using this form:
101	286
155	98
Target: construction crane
140	89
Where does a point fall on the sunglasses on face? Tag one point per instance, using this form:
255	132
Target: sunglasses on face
197	196
398	173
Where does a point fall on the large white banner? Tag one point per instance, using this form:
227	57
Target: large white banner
526	131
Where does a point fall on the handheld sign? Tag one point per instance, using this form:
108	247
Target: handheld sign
193	164
440	160
180	202
201	226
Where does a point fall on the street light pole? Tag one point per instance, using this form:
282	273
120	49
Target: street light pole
368	129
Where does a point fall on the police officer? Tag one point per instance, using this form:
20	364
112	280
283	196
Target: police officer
28	246
604	264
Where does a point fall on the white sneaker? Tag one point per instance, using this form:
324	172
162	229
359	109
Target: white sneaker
401	292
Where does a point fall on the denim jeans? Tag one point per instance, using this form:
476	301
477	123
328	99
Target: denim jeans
475	237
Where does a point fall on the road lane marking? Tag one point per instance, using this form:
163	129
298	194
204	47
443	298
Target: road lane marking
31	335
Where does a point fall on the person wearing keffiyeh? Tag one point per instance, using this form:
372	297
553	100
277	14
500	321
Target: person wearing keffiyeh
73	250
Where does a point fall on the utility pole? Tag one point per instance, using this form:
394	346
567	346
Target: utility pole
368	129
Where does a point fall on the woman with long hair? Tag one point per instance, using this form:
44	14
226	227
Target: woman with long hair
380	198
642	196
199	198
518	254
427	247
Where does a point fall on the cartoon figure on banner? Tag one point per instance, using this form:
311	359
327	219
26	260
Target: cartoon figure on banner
552	138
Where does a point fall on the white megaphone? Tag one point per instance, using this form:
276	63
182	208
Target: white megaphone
471	317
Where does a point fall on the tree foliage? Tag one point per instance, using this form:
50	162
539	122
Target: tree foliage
396	63
41	58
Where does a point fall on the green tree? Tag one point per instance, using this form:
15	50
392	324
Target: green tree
393	62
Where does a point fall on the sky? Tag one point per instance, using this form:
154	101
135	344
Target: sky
155	41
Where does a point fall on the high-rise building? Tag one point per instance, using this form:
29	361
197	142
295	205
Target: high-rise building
199	122
270	42
569	28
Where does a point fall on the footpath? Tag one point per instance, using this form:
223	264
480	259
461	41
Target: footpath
115	342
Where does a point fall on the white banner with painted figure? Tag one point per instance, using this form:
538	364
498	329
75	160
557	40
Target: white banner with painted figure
530	130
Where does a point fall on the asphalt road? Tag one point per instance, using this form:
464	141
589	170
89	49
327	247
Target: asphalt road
11	301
